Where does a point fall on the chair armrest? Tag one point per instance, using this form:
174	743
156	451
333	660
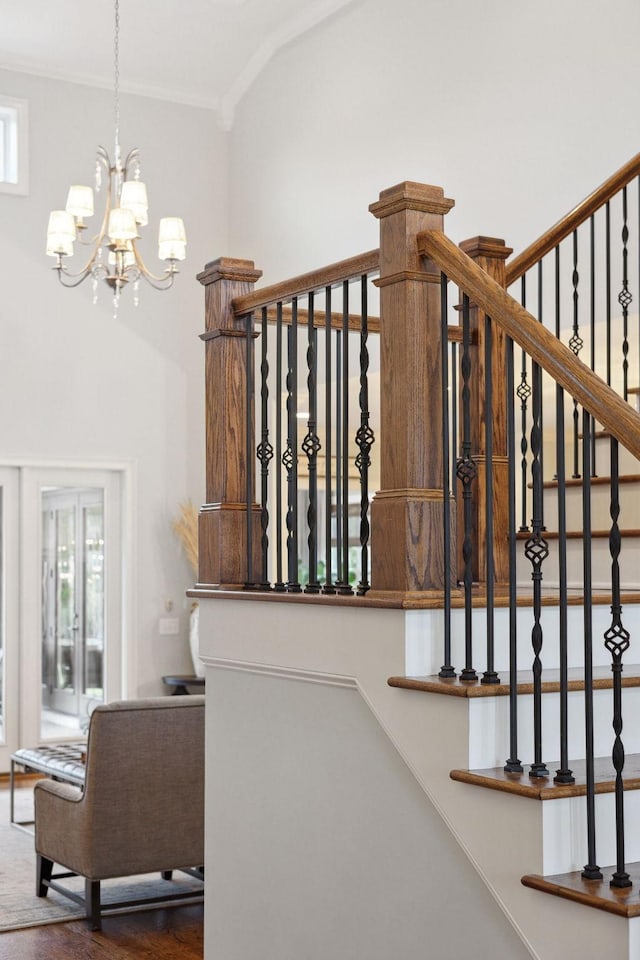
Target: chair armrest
60	823
66	791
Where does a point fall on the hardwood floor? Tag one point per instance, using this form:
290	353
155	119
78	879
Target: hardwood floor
173	933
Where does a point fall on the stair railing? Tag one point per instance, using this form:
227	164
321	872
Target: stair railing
580	384
581	278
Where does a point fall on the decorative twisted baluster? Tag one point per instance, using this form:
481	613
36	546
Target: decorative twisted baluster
264	451
328	574
466	472
523	392
364	440
512	764
536	551
289	457
616	640
575	345
311	446
625	297
446	670
591	870
279	585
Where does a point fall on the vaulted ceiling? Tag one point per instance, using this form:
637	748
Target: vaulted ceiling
202	52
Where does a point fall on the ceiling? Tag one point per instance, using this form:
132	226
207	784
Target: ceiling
201	52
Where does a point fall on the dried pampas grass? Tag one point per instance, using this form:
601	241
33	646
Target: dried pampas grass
185	527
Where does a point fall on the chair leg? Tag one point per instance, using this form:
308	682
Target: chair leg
92	903
167	874
44	868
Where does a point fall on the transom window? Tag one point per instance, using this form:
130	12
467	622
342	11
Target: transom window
13	145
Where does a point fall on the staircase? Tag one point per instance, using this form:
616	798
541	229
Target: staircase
496	674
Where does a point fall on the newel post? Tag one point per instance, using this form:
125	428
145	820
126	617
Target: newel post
407	512
222	527
490	254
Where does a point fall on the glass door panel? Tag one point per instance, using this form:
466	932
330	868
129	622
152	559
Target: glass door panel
73	605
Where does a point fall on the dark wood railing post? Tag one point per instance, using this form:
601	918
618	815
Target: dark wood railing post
222	529
407	512
490	254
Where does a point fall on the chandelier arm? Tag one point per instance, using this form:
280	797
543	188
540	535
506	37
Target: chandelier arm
71	279
158	283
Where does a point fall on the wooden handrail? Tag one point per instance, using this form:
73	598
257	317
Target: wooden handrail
551	354
540	247
318	279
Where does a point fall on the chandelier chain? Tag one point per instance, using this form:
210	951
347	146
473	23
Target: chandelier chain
116	81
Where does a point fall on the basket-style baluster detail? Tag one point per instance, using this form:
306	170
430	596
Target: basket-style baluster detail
617	640
625	298
523	393
576	344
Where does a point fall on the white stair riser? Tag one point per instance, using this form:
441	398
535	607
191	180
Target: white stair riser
628	560
565	831
489	727
629	499
425	632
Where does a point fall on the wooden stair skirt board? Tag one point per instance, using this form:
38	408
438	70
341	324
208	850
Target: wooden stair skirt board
593	893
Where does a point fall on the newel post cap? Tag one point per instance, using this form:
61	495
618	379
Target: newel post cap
229	268
411	196
492	247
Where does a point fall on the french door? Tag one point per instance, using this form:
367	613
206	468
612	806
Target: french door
61	601
73	600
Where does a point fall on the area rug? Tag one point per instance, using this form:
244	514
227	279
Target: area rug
19	906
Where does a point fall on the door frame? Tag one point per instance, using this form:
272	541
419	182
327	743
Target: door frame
10	611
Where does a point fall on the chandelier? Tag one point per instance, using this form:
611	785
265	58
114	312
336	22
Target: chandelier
112	254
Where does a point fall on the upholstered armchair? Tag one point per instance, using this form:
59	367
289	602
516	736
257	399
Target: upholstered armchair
142	807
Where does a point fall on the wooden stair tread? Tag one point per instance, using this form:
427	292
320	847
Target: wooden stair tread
579	534
543	788
595	481
593	893
455	687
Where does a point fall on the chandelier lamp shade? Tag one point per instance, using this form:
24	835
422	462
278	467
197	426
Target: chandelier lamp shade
112	252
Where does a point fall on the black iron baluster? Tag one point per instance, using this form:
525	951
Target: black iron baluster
625	298
279	585
616	640
608	286
249	449
446	670
264	452
364	440
344	587
523	393
592	321
339	464
454	418
467	472
575	345
489	675
311	446
290	458
536	551
540	374
513	764
563	774
328	573
591	870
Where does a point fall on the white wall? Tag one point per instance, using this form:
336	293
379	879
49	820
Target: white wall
517	110
78	385
321	843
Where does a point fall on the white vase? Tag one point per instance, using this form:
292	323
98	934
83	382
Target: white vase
194	641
